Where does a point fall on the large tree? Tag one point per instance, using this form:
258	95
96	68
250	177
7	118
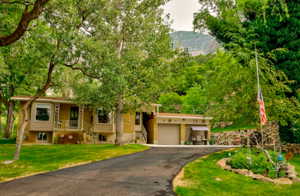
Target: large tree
270	25
128	59
59	30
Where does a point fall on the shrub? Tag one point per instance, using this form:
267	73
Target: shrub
8	141
254	160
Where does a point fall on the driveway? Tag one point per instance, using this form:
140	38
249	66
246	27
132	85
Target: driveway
148	173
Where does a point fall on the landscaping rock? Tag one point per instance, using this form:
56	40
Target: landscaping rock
293	148
296	180
223	164
292	174
244	172
7	162
283	181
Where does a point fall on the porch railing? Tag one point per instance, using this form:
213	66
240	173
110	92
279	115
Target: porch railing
67	124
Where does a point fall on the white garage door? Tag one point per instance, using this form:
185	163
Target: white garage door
168	134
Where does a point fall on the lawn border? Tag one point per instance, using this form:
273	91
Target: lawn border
181	171
70	166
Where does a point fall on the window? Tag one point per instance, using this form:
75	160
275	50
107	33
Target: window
102	138
42	112
103	116
137	118
42	136
74	116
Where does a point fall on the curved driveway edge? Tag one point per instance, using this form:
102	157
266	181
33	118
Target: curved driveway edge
148	173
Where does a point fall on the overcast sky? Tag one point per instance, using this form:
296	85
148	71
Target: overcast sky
181	12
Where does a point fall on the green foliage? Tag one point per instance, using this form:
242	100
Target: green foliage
204	177
240	26
253	160
8	141
290	133
171	102
195	101
127	57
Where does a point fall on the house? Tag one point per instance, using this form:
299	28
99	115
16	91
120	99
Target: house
60	120
174	129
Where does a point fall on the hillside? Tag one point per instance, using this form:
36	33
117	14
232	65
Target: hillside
196	43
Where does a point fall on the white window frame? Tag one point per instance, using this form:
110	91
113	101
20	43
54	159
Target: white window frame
43	133
43	105
109	117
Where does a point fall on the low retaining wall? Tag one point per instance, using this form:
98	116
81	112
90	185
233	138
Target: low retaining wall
291	174
294	148
247	136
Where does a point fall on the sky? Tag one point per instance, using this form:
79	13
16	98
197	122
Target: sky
181	12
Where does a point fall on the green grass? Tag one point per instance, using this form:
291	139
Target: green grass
42	158
233	128
296	162
201	176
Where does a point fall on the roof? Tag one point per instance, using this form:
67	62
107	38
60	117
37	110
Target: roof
51	99
187	116
46	99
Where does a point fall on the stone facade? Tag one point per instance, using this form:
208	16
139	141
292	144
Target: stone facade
248	136
294	148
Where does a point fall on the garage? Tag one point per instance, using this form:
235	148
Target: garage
168	134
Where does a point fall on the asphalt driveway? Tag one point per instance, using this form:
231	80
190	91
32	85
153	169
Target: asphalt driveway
148	173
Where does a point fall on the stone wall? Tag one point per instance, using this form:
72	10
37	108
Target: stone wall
247	136
294	148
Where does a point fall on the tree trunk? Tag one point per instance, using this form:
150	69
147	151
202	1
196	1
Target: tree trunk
119	127
10	119
24	119
0	120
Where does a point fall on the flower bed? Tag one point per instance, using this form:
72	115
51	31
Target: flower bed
255	164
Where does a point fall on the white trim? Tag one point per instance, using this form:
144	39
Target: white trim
186	117
43	100
199	128
49	110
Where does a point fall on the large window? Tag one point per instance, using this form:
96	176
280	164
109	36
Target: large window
137	118
102	116
42	112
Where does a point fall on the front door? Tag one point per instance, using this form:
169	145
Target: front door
74	117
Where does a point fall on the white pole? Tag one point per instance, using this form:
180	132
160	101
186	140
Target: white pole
257	70
258	91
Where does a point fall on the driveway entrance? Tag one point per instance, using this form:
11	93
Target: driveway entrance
148	173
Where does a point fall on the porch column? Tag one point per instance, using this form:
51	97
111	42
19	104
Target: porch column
155	131
81	116
182	133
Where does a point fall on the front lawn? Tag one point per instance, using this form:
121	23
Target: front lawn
204	177
42	158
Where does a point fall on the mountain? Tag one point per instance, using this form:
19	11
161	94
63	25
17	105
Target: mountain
197	43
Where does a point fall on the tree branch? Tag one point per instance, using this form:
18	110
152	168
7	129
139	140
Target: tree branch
27	17
83	71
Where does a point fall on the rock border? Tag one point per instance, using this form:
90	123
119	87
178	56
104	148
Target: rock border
290	179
